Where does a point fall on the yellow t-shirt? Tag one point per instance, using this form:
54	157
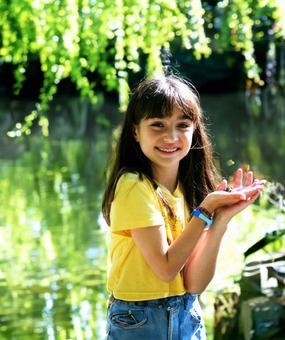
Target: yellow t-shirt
137	205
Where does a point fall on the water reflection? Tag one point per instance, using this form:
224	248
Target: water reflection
240	137
52	249
53	256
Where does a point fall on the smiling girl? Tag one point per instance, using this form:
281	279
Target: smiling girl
166	215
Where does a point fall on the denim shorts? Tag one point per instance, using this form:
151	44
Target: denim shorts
172	318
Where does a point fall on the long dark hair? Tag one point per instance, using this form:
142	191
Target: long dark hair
157	98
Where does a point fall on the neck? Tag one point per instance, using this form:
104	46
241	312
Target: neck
168	178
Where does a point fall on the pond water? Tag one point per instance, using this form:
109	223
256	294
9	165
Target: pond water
52	244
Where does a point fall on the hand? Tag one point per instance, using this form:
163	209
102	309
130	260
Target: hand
251	189
240	194
238	181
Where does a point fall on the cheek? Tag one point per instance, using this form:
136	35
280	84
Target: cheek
150	138
188	139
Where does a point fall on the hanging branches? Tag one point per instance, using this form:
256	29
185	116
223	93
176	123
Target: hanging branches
75	38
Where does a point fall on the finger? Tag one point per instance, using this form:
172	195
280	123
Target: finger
254	197
255	183
238	178
252	188
249	178
222	185
244	204
233	196
259	182
251	191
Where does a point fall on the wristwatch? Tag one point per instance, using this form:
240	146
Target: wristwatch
199	214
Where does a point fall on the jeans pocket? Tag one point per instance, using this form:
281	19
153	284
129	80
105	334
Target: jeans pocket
131	318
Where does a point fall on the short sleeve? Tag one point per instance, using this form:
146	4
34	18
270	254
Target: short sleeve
134	205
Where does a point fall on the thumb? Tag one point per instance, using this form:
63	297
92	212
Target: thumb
222	185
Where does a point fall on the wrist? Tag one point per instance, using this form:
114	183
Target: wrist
206	204
221	219
204	215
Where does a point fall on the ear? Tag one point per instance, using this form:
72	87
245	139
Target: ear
135	132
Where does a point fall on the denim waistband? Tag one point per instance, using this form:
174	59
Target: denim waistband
171	301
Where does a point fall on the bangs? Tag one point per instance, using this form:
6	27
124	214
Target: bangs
157	98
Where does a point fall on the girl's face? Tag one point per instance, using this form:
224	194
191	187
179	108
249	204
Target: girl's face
165	141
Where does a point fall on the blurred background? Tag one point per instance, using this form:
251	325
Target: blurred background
66	68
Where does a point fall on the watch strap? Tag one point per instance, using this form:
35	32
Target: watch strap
199	214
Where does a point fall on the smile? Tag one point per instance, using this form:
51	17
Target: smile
169	150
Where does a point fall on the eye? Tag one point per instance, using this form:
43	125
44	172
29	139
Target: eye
184	125
157	124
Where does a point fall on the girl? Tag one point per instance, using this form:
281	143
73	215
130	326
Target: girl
166	219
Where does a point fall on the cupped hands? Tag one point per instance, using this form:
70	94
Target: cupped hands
226	204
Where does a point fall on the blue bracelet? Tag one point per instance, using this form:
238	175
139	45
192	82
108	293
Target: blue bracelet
199	214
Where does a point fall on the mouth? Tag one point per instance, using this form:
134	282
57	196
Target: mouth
167	150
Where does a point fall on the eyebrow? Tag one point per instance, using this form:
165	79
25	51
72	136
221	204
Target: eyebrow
183	117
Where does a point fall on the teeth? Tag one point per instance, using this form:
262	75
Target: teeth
168	150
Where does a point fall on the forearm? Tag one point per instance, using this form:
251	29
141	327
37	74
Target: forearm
167	261
197	249
180	250
200	267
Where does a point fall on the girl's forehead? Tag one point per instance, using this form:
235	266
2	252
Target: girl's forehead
174	114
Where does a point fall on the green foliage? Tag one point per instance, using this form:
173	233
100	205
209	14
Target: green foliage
77	38
237	29
244	231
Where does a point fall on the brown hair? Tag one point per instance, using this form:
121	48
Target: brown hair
153	98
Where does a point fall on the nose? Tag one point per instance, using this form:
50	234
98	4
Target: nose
170	135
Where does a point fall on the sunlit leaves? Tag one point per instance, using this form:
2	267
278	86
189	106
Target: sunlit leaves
79	38
236	29
195	36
